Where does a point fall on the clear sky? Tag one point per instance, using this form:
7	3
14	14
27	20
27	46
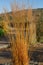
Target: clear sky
33	3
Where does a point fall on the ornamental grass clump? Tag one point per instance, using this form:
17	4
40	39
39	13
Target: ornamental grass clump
18	35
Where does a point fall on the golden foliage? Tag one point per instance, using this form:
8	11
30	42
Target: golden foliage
19	47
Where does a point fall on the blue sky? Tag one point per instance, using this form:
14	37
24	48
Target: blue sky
33	3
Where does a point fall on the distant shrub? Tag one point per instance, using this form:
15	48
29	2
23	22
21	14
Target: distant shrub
1	32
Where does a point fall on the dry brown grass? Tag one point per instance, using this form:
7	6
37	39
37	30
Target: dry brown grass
19	46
